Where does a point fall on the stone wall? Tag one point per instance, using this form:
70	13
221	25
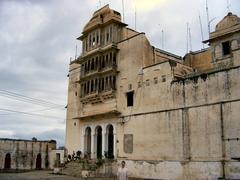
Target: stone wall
196	138
25	154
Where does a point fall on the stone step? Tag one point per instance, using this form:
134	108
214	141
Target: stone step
89	169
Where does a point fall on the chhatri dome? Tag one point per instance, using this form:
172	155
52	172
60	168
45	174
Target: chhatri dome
228	21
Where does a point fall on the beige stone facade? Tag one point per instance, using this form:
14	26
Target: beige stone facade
18	154
168	117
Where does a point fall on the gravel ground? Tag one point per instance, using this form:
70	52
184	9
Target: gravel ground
35	175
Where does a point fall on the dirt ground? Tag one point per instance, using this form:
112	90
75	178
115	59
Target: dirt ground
35	175
45	175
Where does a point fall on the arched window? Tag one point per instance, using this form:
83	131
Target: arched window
98	131
7	163
87	143
39	161
110	141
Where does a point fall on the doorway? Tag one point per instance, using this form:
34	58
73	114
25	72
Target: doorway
7	164
88	141
39	162
110	140
99	141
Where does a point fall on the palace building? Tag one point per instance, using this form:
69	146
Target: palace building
167	116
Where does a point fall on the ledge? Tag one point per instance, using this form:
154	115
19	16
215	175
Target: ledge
106	70
113	113
98	97
98	50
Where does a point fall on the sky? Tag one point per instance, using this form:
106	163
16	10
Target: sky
38	38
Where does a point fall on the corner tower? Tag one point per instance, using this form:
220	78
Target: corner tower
224	42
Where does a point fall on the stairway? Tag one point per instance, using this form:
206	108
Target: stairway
103	170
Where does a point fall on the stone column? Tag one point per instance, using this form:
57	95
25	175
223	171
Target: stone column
114	142
92	143
82	142
103	140
104	86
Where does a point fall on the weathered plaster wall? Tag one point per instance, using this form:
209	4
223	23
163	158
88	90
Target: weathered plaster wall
53	158
200	61
72	140
193	133
24	153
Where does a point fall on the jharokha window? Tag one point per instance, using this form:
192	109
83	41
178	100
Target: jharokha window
98	63
100	84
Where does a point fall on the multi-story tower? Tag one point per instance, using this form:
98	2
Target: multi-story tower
95	81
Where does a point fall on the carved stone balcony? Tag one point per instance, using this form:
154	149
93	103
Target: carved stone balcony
98	97
98	71
98	50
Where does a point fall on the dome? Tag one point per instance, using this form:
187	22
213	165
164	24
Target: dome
228	21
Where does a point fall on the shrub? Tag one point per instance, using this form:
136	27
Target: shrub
100	162
78	155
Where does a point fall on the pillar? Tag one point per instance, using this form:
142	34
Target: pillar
114	142
92	142
103	140
83	141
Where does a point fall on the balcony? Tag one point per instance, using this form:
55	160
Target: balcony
98	71
98	96
96	50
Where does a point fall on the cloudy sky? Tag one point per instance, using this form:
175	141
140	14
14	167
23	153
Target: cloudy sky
38	37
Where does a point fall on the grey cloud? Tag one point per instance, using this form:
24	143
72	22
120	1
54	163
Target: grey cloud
37	38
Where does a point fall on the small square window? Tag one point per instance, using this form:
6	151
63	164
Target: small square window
226	48
163	78
147	82
155	80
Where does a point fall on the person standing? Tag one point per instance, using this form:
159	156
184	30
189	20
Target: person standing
122	173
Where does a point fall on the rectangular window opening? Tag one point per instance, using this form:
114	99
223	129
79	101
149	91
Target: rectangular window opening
226	48
130	98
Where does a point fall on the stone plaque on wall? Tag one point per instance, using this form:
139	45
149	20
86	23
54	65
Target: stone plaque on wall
128	143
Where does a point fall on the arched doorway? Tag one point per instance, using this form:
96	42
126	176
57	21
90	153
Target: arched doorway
110	142
7	163
88	141
99	141
39	162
